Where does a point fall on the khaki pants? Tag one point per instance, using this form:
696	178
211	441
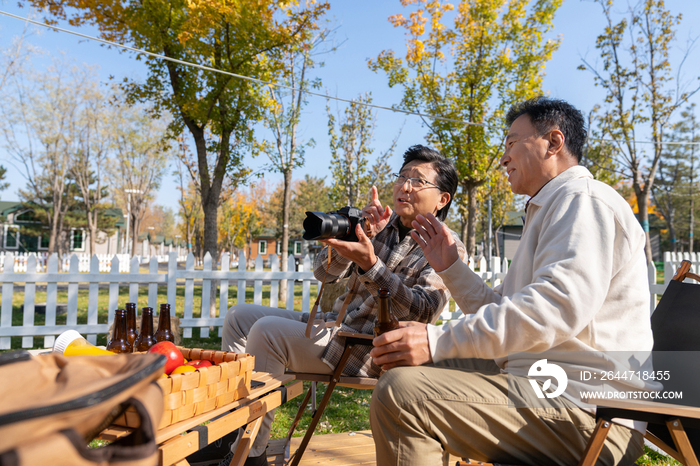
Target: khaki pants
276	338
420	415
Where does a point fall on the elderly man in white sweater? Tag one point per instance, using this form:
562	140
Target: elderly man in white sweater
576	288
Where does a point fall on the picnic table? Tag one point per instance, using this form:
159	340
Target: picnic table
177	441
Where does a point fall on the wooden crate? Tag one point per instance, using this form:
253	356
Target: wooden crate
192	393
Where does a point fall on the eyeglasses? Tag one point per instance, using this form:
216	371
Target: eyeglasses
416	183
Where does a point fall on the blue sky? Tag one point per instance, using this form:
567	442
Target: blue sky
363	28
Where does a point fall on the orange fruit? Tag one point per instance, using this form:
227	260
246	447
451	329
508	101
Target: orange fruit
182	370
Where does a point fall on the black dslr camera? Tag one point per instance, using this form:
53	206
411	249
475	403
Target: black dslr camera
338	224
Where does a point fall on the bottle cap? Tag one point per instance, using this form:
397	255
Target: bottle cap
65	339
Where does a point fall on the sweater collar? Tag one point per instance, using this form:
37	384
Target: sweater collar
546	191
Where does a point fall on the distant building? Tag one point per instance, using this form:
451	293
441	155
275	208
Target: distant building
266	244
14	215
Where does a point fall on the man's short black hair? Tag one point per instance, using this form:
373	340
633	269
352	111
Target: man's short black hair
548	114
447	179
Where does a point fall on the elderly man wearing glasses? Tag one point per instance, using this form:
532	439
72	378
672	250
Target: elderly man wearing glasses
385	256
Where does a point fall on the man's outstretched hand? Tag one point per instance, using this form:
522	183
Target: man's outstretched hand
436	241
405	346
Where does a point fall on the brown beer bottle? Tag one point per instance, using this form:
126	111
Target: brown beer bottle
131	323
119	343
386	321
145	339
164	331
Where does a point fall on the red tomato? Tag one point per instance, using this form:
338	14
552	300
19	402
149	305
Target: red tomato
198	363
171	352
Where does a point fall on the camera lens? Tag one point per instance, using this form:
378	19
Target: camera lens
318	225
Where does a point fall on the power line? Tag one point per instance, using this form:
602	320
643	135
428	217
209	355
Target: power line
239	76
270	83
657	143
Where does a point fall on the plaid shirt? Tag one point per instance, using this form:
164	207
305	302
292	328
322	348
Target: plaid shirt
417	292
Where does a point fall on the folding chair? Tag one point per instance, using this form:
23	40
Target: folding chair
675	324
336	379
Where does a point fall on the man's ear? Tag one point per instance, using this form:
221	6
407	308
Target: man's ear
444	199
556	142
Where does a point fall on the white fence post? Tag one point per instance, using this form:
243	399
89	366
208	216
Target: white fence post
223	290
92	296
206	295
72	310
29	294
291	266
274	284
172	283
240	286
153	286
257	284
51	299
189	295
113	305
6	310
306	284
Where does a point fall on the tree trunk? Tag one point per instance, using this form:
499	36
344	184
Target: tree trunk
497	245
642	201
471	218
92	231
54	223
286	206
135	226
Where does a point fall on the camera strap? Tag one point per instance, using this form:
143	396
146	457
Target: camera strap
314	327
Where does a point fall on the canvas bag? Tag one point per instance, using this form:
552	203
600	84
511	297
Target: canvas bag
52	406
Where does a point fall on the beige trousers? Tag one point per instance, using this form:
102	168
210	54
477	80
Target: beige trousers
276	338
420	415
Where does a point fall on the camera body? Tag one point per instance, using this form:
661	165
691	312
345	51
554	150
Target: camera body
339	224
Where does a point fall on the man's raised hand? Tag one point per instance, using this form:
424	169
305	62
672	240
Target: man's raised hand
436	241
376	215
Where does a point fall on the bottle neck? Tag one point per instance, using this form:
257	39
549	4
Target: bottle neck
164	320
384	313
131	319
119	332
147	322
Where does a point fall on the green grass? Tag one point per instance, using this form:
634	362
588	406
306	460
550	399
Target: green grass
347	411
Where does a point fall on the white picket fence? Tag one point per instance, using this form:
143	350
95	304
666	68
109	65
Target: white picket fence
123	271
105	260
135	280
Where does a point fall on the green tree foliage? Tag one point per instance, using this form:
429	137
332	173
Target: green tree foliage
351	136
599	154
3	186
676	187
641	96
471	68
245	37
